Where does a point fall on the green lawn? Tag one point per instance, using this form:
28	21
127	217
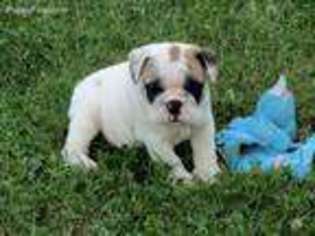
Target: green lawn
44	52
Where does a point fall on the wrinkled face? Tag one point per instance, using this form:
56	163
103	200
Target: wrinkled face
173	77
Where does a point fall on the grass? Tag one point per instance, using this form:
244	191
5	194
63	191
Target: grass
44	53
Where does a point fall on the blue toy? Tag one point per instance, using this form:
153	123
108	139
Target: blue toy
264	140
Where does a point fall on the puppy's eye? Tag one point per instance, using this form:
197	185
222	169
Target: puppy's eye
153	89
194	88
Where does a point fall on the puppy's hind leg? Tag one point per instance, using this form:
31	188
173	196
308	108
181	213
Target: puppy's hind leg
75	152
84	125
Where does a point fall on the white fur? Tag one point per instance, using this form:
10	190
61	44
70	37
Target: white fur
110	101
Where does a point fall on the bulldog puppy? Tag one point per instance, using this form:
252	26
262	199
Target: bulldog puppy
157	98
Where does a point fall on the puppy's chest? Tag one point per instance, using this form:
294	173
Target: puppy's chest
176	134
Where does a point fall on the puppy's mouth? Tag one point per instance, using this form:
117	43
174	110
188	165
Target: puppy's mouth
174	119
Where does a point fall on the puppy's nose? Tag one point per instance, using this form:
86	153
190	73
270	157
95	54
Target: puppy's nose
174	106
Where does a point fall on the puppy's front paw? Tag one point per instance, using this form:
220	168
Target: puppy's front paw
79	159
207	174
179	174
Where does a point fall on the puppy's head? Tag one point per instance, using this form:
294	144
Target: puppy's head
173	77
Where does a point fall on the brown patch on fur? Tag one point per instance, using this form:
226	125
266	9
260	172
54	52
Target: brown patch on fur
175	91
147	70
174	53
195	68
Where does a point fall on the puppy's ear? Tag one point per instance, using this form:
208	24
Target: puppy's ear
138	60
208	61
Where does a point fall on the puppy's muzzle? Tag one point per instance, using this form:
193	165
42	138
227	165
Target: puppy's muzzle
174	108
